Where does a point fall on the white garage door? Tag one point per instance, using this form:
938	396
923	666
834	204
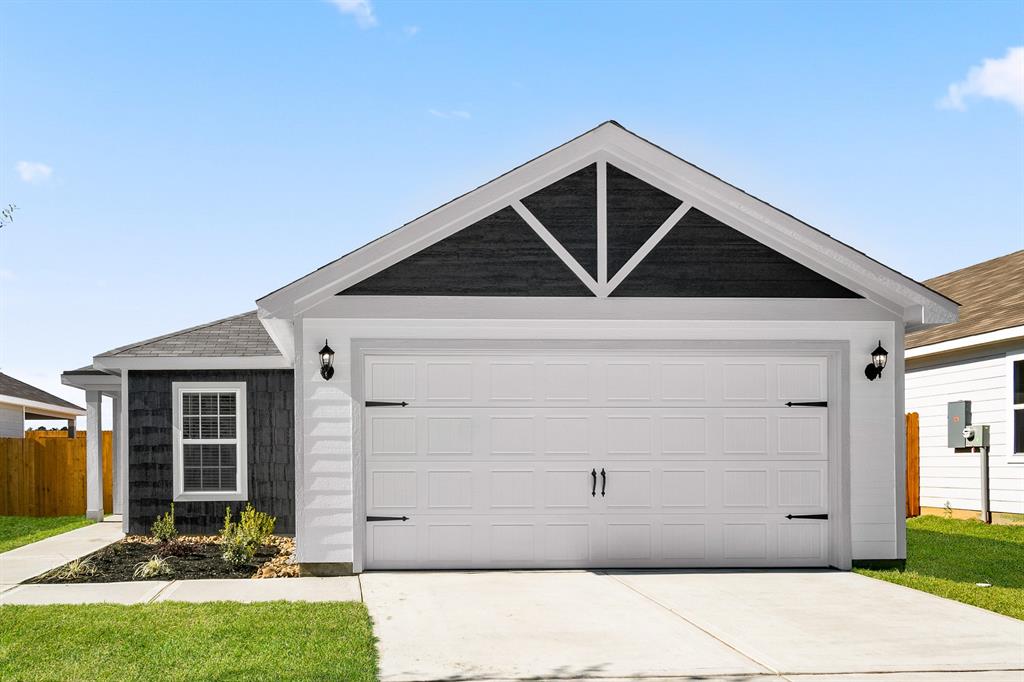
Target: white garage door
598	460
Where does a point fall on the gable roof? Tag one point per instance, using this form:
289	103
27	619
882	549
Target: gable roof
990	294
236	336
13	388
915	303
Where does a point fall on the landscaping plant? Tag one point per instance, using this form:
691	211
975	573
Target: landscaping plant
163	528
156	565
241	540
79	568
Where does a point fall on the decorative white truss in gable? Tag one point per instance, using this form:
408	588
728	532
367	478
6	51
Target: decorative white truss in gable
604	284
610	143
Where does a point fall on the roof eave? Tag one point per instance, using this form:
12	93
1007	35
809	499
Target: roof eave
918	305
59	411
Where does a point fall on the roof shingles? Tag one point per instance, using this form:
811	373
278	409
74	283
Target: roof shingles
9	386
237	336
990	294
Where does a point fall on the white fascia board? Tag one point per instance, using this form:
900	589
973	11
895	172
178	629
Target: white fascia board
593	308
915	303
780	231
199	362
997	336
281	331
37	407
440	223
107	384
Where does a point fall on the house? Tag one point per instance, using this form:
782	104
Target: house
21	402
604	357
980	359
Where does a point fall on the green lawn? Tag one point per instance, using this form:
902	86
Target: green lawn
948	556
16	531
179	641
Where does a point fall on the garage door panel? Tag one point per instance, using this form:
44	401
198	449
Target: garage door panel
572	378
568	435
604	541
552	433
796	486
493	460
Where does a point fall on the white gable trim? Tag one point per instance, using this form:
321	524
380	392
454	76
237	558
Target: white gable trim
915	303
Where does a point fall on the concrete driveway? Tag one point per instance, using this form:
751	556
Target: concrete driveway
706	625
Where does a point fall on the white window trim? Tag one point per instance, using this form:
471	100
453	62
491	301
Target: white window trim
1011	408
241	491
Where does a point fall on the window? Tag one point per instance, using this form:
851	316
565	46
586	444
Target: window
209	441
1017	402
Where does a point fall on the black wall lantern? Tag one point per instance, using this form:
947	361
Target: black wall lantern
326	362
878	358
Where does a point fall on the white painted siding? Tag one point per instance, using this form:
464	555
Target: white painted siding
950	477
326	526
12	422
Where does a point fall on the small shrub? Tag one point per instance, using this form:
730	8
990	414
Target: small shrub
241	540
79	568
154	566
256	526
163	528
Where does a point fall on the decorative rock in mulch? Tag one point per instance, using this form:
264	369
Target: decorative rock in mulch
280	566
188	556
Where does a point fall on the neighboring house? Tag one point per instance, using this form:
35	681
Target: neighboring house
981	359
605	357
21	402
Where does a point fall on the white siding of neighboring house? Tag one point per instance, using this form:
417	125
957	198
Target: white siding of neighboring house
12	422
947	476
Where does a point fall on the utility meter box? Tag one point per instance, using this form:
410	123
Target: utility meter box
976	436
958	416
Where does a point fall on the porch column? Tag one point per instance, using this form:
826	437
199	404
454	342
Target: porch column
115	455
94	455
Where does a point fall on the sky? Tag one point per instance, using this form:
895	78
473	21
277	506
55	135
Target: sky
171	162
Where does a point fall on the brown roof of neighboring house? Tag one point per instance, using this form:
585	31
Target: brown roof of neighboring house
236	336
9	386
990	294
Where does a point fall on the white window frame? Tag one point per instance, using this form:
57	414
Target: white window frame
1011	408
241	491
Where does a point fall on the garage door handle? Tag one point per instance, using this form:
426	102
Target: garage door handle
593	482
807	516
604	480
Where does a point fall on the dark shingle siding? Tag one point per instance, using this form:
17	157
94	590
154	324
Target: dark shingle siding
238	336
270	421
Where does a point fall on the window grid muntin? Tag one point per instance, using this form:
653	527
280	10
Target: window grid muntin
218	408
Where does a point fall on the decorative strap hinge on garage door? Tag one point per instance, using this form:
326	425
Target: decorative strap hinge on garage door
384	403
807	516
819	403
387	518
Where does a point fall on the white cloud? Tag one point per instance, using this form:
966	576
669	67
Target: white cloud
449	113
33	171
360	10
1000	79
410	31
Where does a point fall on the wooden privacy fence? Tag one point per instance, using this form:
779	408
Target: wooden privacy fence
913	465
43	474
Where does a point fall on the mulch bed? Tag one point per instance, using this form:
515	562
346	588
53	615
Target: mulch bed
190	557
